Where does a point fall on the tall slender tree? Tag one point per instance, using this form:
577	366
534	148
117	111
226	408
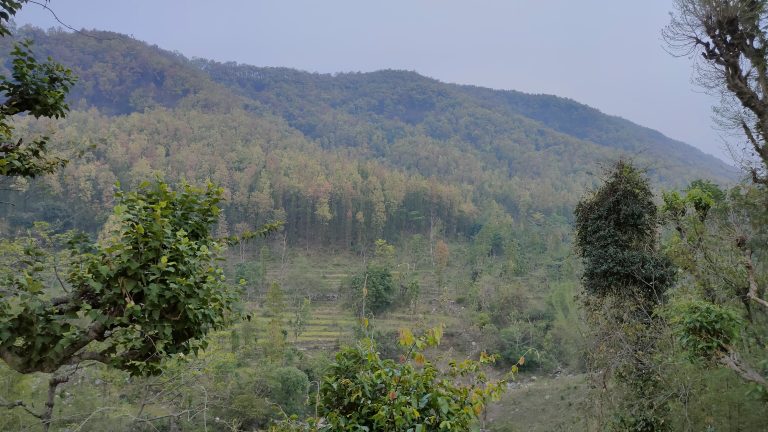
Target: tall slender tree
625	278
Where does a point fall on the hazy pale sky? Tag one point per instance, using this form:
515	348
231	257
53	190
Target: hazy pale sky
604	53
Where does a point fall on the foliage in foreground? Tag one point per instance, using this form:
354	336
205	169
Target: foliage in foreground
719	239
38	89
362	391
148	290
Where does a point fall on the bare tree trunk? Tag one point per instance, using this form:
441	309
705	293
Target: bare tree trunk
753	293
432	237
53	384
283	263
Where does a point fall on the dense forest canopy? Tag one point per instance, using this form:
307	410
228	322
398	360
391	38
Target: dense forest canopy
343	158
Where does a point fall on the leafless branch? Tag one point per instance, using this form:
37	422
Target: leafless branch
727	43
22	405
753	293
67	26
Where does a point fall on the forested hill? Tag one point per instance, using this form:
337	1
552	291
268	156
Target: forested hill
343	158
396	103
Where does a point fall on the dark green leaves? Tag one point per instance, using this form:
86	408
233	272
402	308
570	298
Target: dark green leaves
40	90
616	230
374	289
34	88
150	289
705	329
8	9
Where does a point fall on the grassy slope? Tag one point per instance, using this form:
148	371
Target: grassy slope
542	404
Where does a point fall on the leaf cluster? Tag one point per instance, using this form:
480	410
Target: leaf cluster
362	391
374	289
704	328
8	9
616	229
38	89
151	289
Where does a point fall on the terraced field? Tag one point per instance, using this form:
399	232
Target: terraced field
332	323
329	327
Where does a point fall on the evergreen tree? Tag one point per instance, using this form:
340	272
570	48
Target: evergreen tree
625	278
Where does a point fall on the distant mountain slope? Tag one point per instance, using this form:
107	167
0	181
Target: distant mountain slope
397	100
587	123
120	75
346	154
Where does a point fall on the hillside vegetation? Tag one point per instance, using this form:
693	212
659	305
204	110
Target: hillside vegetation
463	196
339	157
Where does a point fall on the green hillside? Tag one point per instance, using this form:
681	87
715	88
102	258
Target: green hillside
399	103
339	155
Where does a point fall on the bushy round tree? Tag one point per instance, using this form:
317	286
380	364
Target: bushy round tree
373	290
616	235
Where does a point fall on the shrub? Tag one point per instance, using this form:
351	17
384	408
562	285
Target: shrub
374	289
704	329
